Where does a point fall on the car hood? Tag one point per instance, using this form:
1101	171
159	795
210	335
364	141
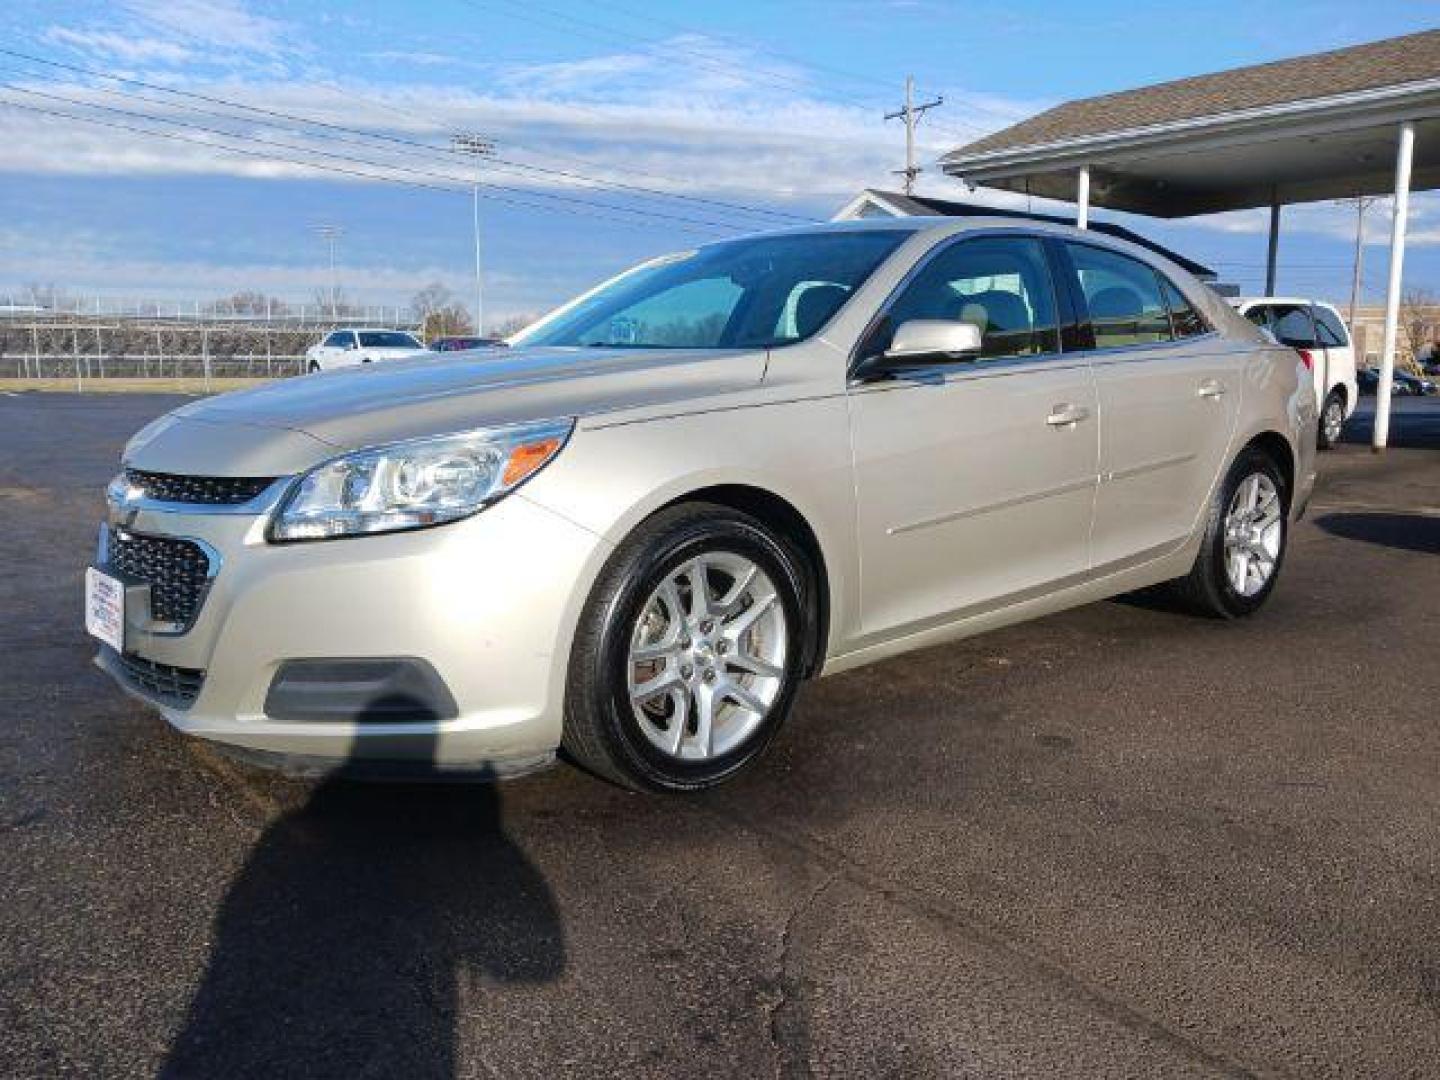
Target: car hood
292	424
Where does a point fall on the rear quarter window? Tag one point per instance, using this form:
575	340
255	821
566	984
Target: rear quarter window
1330	329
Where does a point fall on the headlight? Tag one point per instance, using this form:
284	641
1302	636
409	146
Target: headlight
410	485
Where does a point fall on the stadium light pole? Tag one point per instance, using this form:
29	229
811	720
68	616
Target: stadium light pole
478	147
330	234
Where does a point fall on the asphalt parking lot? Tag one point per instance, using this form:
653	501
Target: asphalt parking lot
1117	841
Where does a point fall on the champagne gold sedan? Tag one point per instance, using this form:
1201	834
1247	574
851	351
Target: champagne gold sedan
632	535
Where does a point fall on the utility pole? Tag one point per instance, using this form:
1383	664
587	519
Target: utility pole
478	147
911	114
330	234
1361	204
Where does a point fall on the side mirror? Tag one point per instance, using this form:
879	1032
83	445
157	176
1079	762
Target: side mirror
931	339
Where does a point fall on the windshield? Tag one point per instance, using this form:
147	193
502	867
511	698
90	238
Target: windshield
387	339
752	293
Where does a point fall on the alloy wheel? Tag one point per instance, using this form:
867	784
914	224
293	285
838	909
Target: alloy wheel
1254	530
707	656
1333	421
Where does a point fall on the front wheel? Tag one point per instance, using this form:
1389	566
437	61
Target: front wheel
313	368
1247	529
1332	420
689	651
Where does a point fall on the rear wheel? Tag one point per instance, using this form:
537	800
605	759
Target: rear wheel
1246	532
689	651
1332	420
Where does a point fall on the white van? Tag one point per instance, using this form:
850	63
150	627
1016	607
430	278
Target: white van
1317	332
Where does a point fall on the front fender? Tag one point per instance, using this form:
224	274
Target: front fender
612	477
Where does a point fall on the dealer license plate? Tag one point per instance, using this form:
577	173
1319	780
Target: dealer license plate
105	608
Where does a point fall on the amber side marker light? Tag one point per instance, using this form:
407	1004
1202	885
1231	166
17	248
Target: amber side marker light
525	459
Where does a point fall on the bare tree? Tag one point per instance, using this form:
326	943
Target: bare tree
513	325
48	296
251	302
337	304
1419	321
441	314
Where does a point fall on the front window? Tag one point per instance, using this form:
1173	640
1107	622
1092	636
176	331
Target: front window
340	339
999	284
755	293
387	339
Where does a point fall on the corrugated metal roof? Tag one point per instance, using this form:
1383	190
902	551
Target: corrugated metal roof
1392	62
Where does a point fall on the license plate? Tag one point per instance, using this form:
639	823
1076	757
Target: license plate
105	608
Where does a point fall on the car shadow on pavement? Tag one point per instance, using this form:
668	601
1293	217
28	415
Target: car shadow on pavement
1408	532
341	945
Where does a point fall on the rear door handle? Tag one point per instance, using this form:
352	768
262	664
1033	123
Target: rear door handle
1211	388
1065	415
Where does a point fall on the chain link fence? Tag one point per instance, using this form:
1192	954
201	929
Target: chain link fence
115	338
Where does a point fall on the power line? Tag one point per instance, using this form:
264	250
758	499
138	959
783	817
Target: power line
663	50
530	193
845	73
272	158
388	138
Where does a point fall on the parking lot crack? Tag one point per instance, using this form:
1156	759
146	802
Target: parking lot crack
974	926
785	1020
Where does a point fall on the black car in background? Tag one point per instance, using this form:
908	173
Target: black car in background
1404	384
461	343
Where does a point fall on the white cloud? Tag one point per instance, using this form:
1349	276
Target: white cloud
406	57
132	49
688	142
169	33
220	23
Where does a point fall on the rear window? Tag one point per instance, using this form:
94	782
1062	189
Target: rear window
1292	325
1184	319
1123	296
387	339
1330	329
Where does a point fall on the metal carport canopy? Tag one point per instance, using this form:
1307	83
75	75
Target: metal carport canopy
1357	121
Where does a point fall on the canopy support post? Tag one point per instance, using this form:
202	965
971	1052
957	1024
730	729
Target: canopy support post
1082	198
1273	250
1404	156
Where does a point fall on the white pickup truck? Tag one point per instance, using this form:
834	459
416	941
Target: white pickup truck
1316	331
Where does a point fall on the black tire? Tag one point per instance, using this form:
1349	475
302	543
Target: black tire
1332	420
1207	589
313	368
602	733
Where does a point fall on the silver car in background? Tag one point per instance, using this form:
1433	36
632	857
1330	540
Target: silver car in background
632	535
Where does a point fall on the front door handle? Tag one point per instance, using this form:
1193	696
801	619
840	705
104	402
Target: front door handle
1211	388
1066	415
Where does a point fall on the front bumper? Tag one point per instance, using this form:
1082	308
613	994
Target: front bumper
489	603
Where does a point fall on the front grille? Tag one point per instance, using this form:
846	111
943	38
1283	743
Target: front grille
176	571
207	490
171	685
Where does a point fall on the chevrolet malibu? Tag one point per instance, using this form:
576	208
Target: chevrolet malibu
632	536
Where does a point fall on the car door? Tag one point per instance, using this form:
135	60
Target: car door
337	350
1169	391
974	478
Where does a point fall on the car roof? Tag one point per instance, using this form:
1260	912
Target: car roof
1255	301
955	226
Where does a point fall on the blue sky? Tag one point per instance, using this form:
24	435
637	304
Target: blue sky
769	108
